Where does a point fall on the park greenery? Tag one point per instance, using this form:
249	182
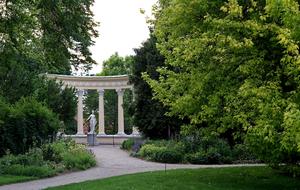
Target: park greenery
246	178
204	150
217	82
38	37
45	161
232	69
150	114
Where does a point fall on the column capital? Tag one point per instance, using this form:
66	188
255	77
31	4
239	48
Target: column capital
120	91
80	92
101	92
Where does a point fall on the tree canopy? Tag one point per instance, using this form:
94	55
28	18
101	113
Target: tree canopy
149	114
51	34
233	67
37	37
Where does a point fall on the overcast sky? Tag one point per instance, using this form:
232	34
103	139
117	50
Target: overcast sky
122	28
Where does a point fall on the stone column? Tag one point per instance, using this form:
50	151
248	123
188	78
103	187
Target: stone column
135	131
120	112
79	113
101	112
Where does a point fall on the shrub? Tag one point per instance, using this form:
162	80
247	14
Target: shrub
128	144
77	157
72	155
26	124
48	160
199	157
27	170
166	155
61	101
209	151
241	152
29	164
148	151
160	153
4	137
211	156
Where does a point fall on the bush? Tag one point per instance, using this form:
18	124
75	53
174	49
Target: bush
148	151
26	124
48	160
161	153
61	101
25	170
241	152
127	144
211	156
197	158
72	155
210	150
4	114
29	164
169	156
200	147
81	161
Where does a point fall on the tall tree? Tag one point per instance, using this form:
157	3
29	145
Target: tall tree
42	36
55	34
149	114
116	65
236	70
67	30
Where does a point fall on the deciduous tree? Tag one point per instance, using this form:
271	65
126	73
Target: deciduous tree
235	69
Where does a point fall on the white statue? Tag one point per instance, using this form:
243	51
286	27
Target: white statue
93	122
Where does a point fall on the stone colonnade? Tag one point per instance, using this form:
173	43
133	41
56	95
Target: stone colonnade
99	83
101	121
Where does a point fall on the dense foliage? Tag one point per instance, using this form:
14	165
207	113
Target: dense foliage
127	144
24	124
204	149
116	65
38	37
48	160
149	114
45	34
236	71
61	100
161	153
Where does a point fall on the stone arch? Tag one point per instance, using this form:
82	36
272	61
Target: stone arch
99	83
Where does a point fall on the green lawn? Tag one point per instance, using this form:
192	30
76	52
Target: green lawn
7	179
244	178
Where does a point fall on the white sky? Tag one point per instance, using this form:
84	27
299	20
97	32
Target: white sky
122	28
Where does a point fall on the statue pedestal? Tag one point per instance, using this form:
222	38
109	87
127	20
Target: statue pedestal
92	139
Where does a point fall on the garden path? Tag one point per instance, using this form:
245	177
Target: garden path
111	161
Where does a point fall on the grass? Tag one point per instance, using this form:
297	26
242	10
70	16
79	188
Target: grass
242	178
8	179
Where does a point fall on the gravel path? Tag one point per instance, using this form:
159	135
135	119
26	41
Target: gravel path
111	161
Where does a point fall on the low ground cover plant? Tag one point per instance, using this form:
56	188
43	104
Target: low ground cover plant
48	160
200	149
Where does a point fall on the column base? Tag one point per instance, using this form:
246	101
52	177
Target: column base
121	133
80	134
101	134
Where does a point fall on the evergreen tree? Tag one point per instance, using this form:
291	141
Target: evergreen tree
149	114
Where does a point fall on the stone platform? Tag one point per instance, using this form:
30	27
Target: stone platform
102	139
